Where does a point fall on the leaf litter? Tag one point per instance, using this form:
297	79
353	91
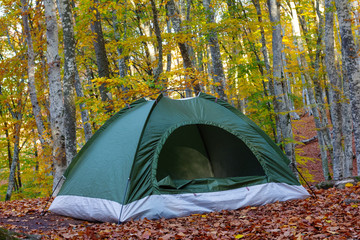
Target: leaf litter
333	215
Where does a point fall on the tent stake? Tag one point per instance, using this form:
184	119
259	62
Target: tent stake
47	202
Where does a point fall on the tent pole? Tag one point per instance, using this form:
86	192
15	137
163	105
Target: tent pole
122	205
43	211
314	195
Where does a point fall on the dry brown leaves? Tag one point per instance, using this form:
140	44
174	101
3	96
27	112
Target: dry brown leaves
333	215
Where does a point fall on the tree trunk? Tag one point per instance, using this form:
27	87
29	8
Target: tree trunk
335	94
265	54
217	66
56	98
69	79
31	73
174	15
118	39
100	52
12	180
281	107
347	125
304	68
350	61
83	111
159	69
168	57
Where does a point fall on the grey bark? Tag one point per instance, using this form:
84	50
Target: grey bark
15	159
168	57
100	52
83	111
69	79
287	89
264	51
351	64
322	130
356	18
118	39
17	116
319	92
159	69
55	92
335	94
218	74
281	107
347	125
174	15
31	73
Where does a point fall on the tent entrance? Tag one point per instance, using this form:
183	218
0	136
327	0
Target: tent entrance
200	151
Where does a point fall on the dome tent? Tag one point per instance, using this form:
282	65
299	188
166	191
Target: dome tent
170	158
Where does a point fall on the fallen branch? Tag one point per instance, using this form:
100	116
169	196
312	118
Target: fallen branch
306	141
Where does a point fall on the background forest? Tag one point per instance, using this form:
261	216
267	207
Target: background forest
67	66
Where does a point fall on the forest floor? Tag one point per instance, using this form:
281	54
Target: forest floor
333	214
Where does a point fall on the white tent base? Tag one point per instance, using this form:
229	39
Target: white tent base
174	205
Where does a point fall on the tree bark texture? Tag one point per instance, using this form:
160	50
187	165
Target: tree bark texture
218	74
83	111
159	69
56	97
322	130
69	79
15	159
347	126
174	15
31	73
350	61
100	52
281	107
339	169
118	39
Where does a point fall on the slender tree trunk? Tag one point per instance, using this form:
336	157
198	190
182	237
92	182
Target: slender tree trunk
281	107
335	93
8	143
100	52
287	89
321	128
168	57
69	79
174	15
120	49
159	69
264	51
31	73
83	111
350	61
217	66
15	160
319	92
347	125
57	121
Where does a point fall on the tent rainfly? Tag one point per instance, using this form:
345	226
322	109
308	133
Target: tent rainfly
168	158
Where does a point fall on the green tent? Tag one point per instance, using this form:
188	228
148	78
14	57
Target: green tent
170	158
